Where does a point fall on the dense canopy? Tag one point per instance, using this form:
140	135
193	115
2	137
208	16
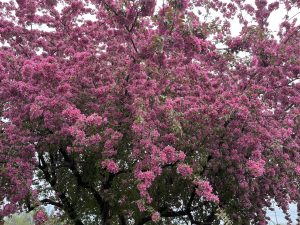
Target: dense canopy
141	112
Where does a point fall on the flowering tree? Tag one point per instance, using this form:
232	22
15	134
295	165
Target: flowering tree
139	112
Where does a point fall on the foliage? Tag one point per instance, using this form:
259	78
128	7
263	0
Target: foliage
30	219
130	112
23	218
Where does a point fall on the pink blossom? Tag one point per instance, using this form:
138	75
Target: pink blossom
94	119
155	217
170	153
181	156
35	112
205	190
111	166
40	217
72	114
146	176
297	170
184	169
256	168
141	206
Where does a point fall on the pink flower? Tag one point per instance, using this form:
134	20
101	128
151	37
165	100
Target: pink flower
142	188
40	217
170	153
297	170
141	206
204	189
116	136
146	176
184	169
35	112
72	114
109	145
94	119
163	157
256	168
181	156
155	134
111	166
155	217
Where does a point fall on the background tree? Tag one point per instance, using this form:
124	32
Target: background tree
129	112
34	217
23	218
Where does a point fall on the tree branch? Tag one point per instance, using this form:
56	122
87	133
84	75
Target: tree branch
51	202
50	177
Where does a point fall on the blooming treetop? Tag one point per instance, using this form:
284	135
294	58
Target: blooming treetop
127	112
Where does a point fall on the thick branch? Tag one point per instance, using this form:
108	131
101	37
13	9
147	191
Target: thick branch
70	163
51	179
43	201
51	202
104	205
